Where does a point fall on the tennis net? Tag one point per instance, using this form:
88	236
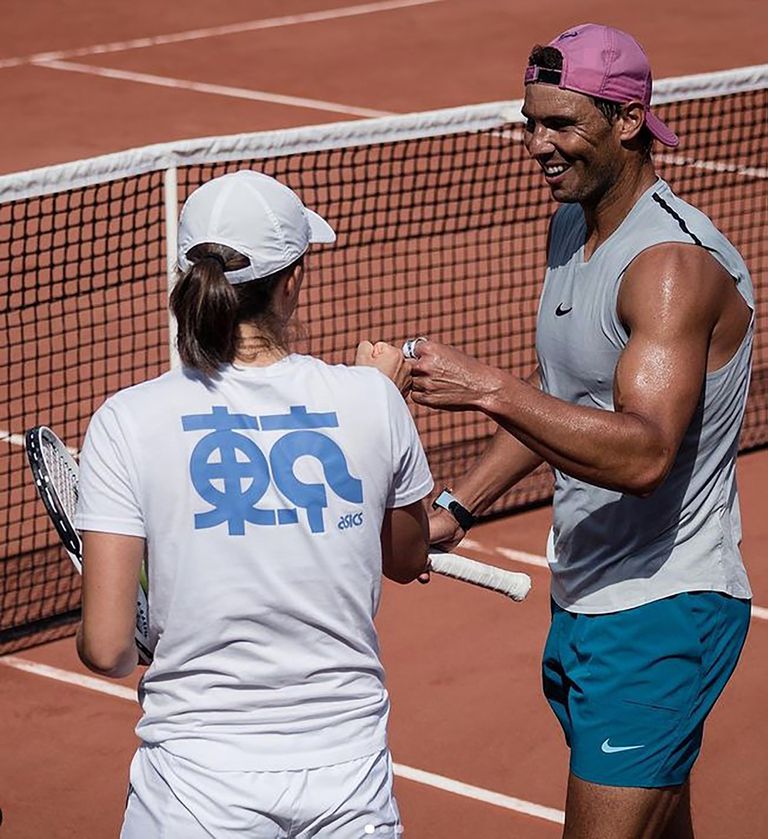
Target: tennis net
441	223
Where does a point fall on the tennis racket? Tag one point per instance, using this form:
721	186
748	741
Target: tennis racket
56	474
510	583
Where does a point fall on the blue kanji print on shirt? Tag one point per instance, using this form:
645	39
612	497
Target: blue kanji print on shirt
233	486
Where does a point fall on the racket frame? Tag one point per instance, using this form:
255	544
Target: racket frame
34	441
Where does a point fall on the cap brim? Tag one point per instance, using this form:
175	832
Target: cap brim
320	230
660	131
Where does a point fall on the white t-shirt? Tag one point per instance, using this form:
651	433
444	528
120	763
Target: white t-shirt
261	497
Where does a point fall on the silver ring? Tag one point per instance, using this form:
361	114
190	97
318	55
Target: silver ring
409	347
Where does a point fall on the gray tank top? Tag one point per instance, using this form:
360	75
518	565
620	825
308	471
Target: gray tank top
609	551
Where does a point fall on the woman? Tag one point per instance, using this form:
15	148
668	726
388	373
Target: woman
269	490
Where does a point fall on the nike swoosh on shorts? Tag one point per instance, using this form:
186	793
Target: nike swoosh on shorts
608	749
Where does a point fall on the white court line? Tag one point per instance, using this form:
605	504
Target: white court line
507	553
521	556
479	794
217	90
18	440
59	675
216	31
759	612
418	775
11	439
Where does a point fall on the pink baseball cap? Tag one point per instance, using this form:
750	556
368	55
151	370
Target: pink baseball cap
604	62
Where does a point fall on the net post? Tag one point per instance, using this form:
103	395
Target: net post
171	202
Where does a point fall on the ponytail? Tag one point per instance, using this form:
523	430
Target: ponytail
209	309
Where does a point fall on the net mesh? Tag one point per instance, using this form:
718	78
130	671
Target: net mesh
441	235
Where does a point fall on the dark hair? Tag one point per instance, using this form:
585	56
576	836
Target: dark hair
209	309
550	58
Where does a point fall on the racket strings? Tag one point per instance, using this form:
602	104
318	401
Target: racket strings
63	477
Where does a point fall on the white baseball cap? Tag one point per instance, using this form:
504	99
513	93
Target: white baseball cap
255	215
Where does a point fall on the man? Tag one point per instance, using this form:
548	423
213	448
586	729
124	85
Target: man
643	342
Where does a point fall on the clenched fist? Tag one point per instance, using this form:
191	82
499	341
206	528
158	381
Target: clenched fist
388	360
444	377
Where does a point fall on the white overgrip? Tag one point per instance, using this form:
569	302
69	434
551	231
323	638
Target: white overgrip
510	583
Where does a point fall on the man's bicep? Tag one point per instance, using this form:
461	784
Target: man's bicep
659	379
661	371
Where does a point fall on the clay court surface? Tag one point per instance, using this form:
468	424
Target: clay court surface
478	750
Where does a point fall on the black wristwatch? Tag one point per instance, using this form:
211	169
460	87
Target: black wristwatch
455	508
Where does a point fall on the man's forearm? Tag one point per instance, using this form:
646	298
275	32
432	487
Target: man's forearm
615	450
504	462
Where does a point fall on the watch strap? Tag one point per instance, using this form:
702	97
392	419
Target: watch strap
448	502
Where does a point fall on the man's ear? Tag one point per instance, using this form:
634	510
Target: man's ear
631	120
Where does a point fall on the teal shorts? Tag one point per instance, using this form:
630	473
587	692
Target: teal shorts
632	689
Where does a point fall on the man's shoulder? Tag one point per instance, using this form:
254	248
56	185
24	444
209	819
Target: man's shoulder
662	209
673	220
675	262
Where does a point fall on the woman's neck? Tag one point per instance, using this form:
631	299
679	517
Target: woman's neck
255	349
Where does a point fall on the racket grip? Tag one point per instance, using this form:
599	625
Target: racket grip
141	634
510	583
